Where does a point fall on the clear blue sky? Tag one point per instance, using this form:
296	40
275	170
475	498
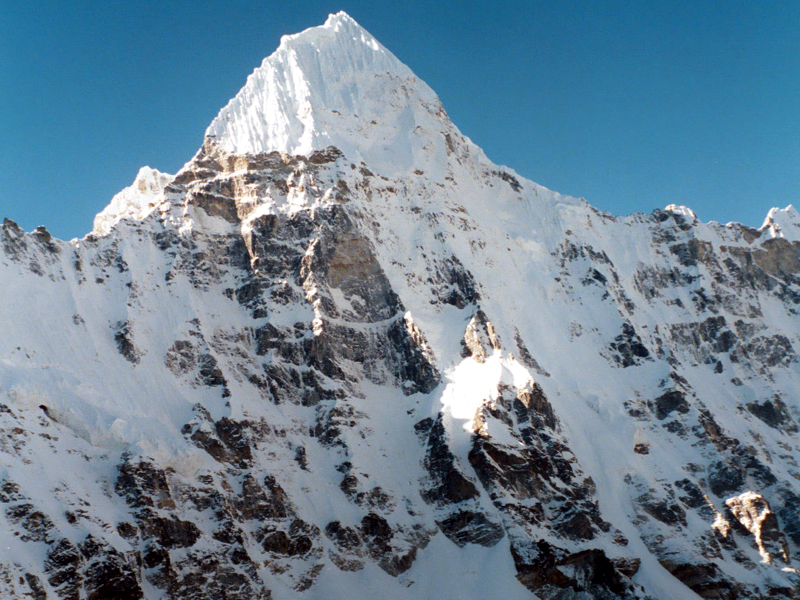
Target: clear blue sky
631	105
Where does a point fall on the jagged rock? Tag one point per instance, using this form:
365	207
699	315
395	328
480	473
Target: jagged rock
551	572
627	348
378	535
281	542
122	337
520	473
143	485
753	511
62	567
215	205
456	284
627	566
480	338
670	401
723	479
108	574
532	405
447	483
779	258
663	510
526	356
37	591
467	527
774	413
170	532
706	580
346	538
693	496
789	515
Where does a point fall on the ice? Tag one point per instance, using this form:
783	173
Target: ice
336	85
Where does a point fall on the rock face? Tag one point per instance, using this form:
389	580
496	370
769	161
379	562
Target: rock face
341	353
753	513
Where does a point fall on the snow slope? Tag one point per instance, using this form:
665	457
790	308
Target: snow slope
335	85
342	350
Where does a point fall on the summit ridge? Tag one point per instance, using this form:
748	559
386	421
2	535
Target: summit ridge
335	85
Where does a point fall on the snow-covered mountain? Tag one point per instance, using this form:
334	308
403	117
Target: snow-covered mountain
343	354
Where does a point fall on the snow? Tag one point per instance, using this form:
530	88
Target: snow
684	211
336	85
470	384
432	195
442	570
135	201
782	223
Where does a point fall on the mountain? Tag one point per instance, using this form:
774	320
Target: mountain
342	354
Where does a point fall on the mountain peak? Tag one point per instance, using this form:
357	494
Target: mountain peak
339	28
782	222
341	18
335	85
341	21
135	201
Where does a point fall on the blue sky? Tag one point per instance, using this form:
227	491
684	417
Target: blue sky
631	105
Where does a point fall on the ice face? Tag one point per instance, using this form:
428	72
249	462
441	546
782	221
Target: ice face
336	85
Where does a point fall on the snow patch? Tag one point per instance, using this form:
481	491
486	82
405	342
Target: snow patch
471	384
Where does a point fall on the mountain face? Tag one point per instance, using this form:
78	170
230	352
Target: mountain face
343	354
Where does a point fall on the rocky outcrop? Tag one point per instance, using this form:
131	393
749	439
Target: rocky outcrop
553	573
752	512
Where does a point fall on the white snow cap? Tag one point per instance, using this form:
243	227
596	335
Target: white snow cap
135	201
335	85
684	211
782	222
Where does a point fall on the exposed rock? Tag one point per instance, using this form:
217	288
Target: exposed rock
456	286
467	527
447	484
479	338
663	510
774	413
526	357
107	574
63	569
753	511
123	338
705	580
627	348
723	479
551	573
779	258
37	591
673	400
789	515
